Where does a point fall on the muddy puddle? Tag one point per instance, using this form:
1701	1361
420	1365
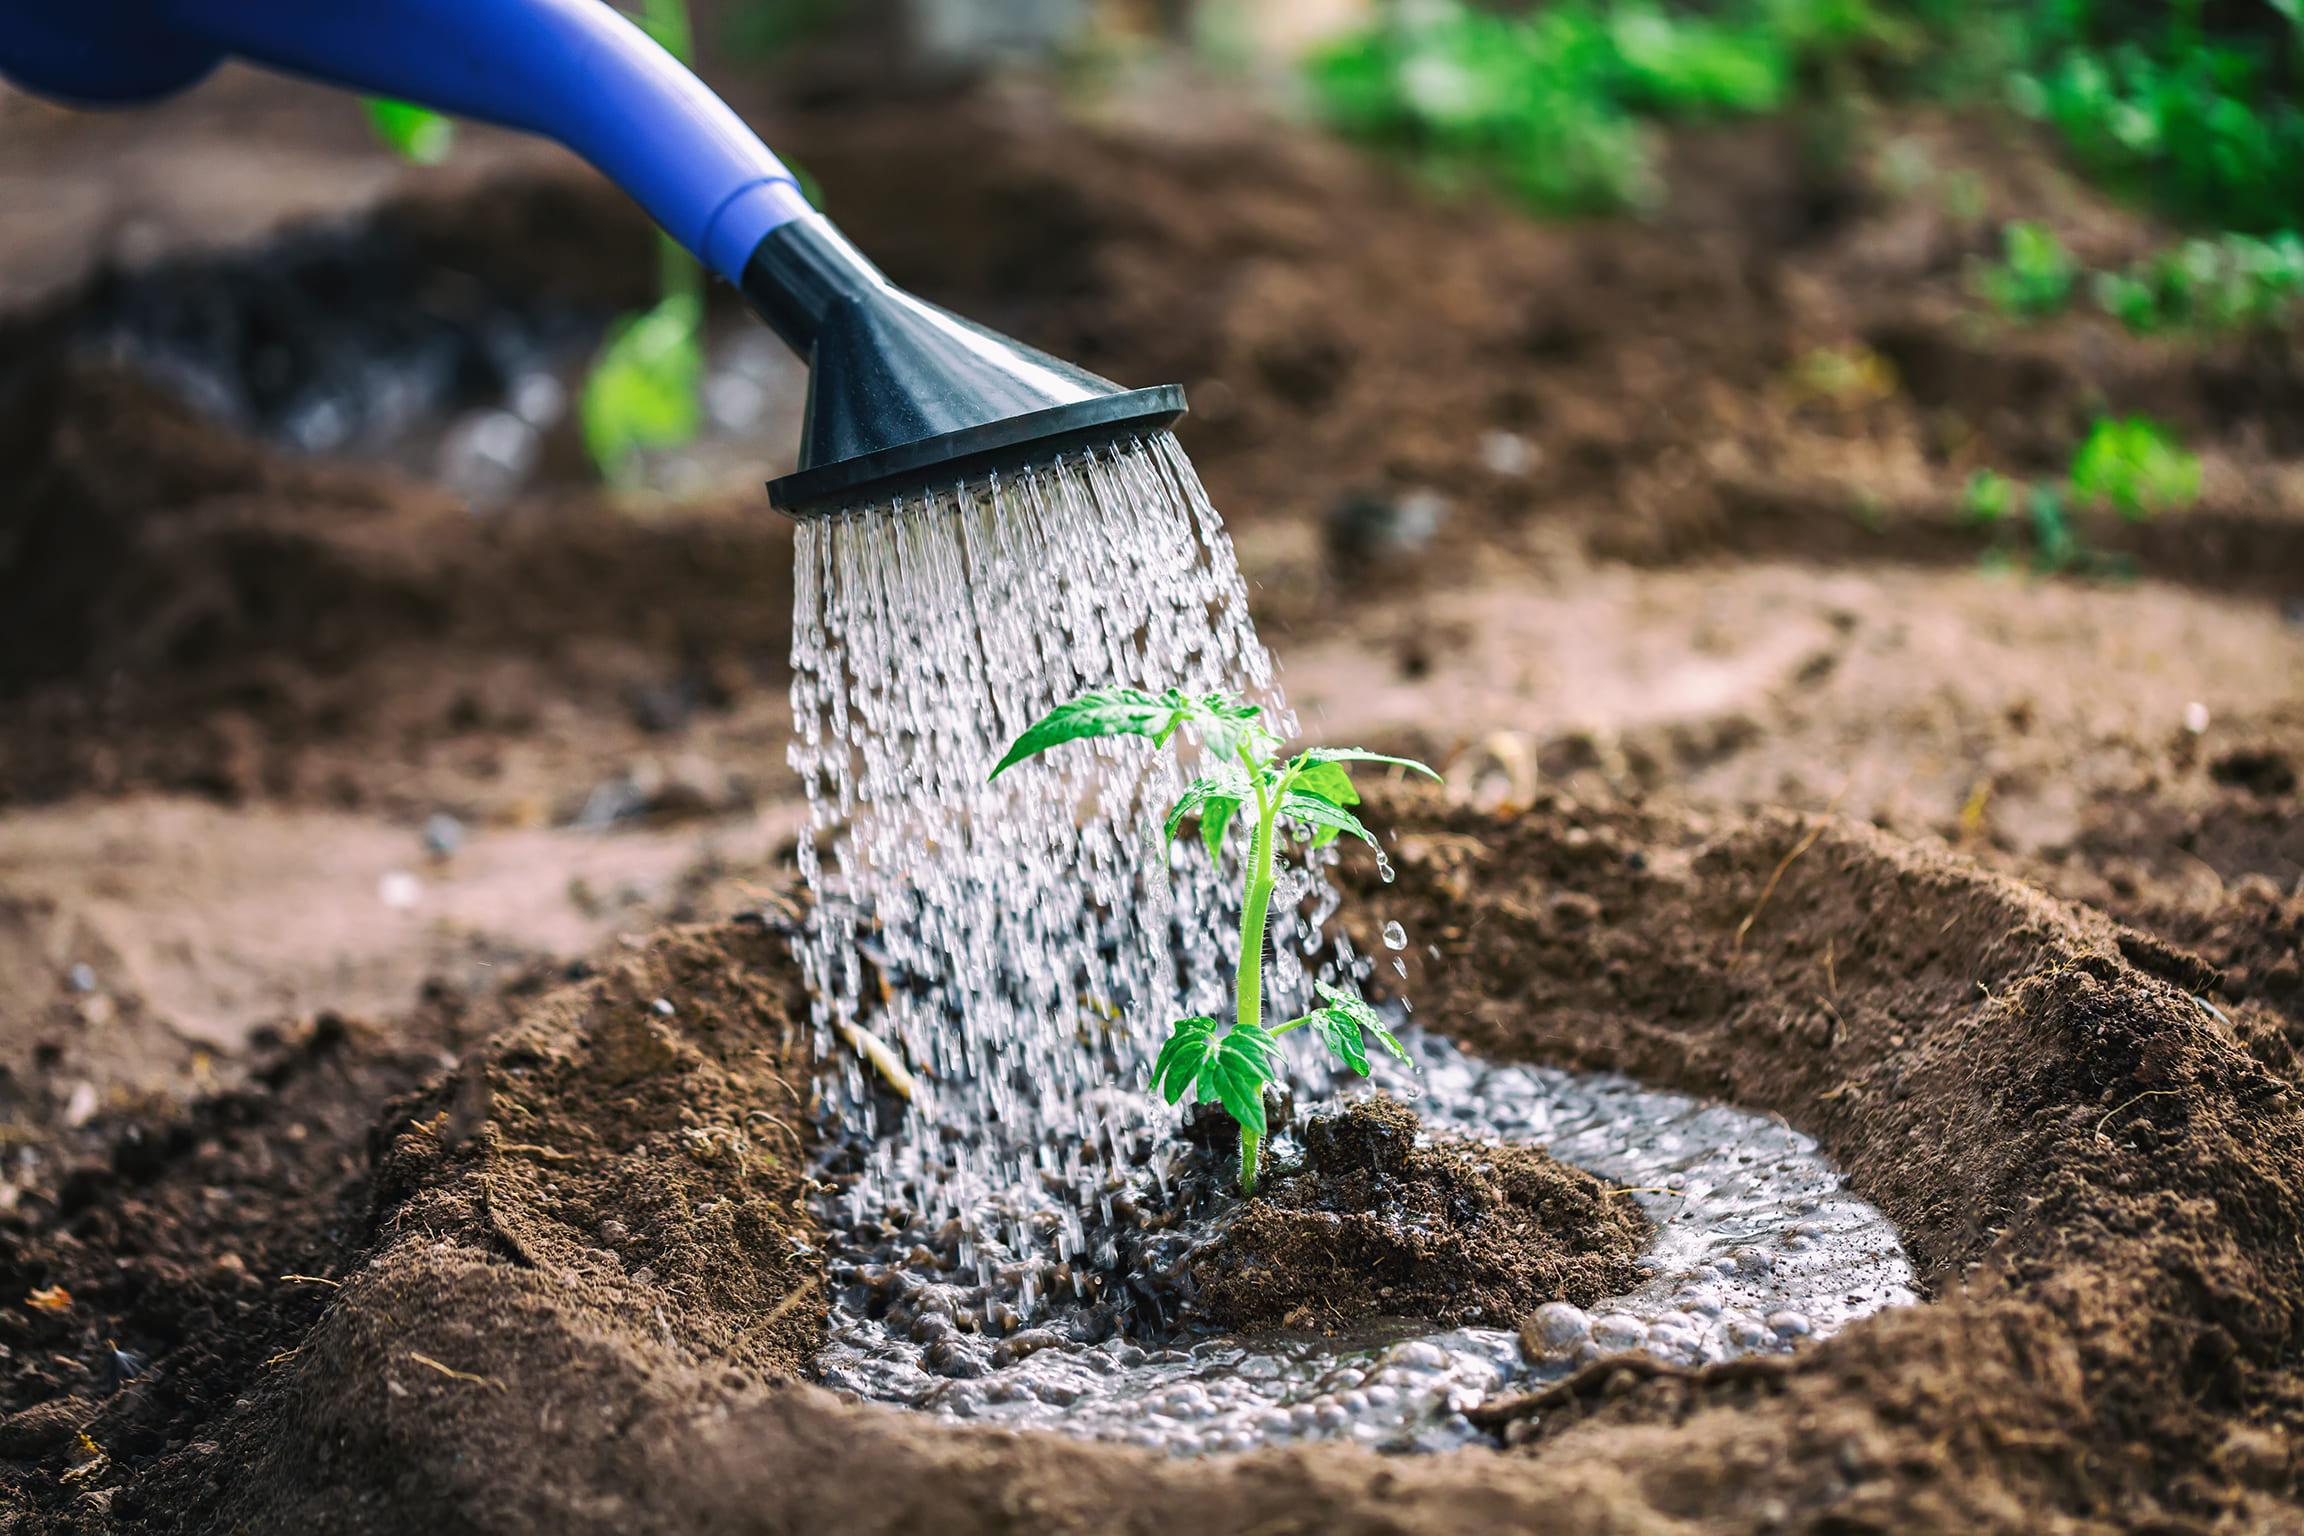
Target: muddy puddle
1755	1247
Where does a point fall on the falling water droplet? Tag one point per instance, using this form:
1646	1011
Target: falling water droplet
1399	966
1384	869
1027	931
1395	936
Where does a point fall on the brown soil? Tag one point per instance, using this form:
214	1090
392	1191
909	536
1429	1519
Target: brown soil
1698	576
577	1296
1372	1224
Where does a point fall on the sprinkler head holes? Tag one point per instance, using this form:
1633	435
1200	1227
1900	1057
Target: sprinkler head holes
903	394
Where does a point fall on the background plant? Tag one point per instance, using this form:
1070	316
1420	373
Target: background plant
2035	275
644	389
1246	782
2202	121
1550	103
2230	282
646	385
2136	467
2131	465
417	134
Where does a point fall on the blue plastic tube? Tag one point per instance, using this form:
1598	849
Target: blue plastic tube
574	71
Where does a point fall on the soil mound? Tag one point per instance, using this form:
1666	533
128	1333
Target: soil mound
1377	1223
583	1289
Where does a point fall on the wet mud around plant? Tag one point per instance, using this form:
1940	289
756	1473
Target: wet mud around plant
494	1211
1372	1224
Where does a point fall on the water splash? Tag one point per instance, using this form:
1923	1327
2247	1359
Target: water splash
996	934
1023	946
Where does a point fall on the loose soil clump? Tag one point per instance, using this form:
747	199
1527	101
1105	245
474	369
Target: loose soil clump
1378	1223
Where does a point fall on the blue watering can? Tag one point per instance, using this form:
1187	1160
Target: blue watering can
901	394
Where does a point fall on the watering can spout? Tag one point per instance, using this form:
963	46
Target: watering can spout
901	393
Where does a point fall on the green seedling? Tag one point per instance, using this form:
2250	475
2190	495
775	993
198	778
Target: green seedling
2130	464
1553	103
416	134
2229	283
645	388
2136	467
2035	275
1246	783
1990	499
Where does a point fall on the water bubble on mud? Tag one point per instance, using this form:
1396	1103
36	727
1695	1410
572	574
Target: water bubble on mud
1004	1246
1757	1247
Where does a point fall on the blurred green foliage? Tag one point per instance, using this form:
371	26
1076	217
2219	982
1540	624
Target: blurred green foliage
642	392
2205	123
2215	285
415	133
2135	466
2228	283
645	387
2035	275
2131	464
1550	102
2198	115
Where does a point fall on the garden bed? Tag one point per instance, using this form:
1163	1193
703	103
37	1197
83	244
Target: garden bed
580	1284
524	1250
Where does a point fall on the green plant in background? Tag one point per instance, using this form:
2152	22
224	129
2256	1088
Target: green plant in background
2136	467
2029	526
1249	783
1991	497
417	134
759	28
1550	103
2035	275
2206	124
2215	285
2229	283
2130	464
645	388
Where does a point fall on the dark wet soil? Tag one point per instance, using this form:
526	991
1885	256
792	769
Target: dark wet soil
1373	1224
530	1253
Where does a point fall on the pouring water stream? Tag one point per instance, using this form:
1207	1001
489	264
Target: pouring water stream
1023	945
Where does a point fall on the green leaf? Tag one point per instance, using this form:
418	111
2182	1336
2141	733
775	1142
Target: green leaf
1225	724
1342	1036
1245	1060
415	133
1191	1042
1324	817
1344	1006
1329	781
1358	755
667	22
2135	465
642	393
1111	712
1226	785
1133	712
1214	818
